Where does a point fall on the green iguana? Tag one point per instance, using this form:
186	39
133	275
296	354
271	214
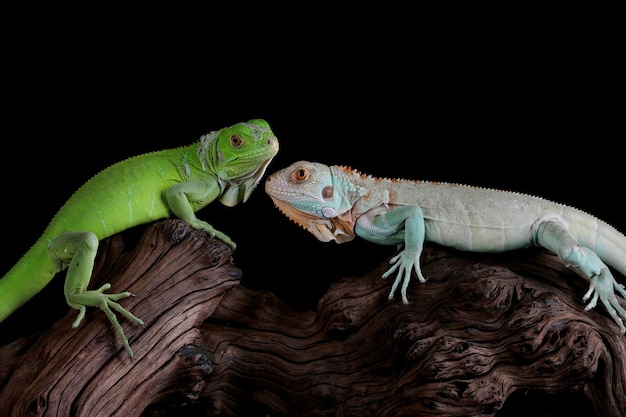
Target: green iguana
339	203
226	165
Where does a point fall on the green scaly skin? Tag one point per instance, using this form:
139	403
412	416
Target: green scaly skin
338	203
225	165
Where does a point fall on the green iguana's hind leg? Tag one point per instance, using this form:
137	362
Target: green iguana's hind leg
78	251
553	234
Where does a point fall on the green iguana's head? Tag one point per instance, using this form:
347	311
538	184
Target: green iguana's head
239	156
314	196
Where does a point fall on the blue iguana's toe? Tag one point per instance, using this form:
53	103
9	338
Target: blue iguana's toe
602	287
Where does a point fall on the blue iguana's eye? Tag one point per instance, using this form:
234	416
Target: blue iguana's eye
300	174
236	141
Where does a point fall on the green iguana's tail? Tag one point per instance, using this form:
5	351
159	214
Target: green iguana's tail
28	276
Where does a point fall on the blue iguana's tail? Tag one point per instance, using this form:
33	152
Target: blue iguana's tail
28	276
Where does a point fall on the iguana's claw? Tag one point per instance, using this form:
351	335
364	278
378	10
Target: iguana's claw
106	302
201	224
602	287
404	263
221	236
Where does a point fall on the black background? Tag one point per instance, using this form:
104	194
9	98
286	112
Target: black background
531	106
529	100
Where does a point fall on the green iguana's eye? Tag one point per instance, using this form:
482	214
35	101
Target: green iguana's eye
300	174
236	141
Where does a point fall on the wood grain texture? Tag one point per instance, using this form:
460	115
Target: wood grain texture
178	276
475	333
486	335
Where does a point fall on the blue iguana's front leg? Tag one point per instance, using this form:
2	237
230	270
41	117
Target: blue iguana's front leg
400	225
553	233
78	251
185	198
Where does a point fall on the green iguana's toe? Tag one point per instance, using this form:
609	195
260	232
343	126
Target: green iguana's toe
107	303
221	236
200	224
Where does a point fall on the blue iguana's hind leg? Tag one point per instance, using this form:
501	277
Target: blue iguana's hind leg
78	251
553	234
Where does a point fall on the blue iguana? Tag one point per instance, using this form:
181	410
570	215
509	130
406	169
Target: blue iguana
226	165
338	203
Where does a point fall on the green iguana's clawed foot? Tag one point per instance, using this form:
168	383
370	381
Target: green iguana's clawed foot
602	287
105	302
201	224
221	236
404	263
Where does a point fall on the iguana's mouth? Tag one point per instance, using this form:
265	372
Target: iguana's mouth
339	229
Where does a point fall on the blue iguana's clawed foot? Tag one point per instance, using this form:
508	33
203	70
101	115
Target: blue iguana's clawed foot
107	303
603	287
404	263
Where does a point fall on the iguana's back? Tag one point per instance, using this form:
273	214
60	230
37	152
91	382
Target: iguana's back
126	194
483	219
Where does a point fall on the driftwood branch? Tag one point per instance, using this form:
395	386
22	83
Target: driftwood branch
486	335
179	276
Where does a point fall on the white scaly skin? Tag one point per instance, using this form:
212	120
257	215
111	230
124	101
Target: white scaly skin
338	203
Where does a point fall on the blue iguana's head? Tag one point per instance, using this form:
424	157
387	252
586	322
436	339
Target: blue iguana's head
309	194
239	156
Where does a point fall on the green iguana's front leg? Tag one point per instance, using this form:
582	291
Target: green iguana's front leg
553	233
78	251
185	198
400	225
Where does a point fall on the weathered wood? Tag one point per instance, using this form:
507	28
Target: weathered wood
178	275
478	331
483	330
